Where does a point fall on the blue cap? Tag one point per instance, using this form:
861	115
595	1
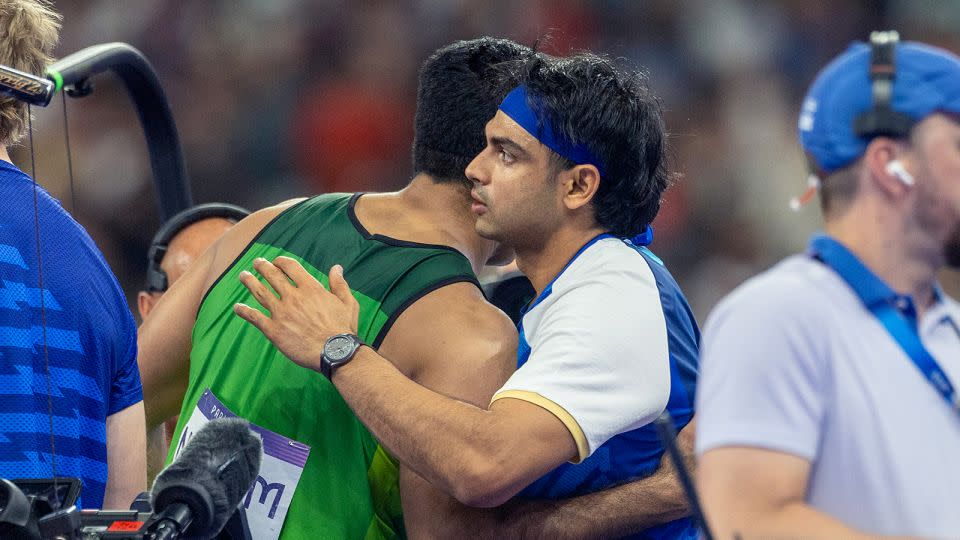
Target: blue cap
926	80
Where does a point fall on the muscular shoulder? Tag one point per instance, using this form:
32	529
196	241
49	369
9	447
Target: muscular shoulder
472	317
251	225
453	325
455	314
237	238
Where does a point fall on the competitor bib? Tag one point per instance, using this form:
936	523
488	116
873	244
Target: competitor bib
268	499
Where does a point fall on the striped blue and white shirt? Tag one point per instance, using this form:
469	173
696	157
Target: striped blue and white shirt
606	347
90	337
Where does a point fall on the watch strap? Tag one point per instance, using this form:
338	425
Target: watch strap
327	366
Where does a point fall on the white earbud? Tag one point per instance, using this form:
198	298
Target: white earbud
897	169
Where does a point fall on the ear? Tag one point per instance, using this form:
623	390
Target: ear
877	158
579	184
145	303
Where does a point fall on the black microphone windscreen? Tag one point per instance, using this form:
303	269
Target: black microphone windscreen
218	465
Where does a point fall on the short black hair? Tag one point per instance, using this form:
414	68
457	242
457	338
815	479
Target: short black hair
592	102
459	90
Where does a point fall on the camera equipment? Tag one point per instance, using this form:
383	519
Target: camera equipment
198	492
72	75
197	496
881	119
60	493
16	513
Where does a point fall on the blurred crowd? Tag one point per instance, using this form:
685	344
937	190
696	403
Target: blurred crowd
281	98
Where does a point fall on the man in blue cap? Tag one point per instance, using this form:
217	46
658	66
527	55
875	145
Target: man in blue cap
827	400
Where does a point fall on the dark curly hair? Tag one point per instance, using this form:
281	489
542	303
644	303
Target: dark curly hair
459	91
592	102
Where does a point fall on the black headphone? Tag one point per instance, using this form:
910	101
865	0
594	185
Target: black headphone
156	277
881	119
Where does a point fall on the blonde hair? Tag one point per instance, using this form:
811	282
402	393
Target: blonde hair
29	30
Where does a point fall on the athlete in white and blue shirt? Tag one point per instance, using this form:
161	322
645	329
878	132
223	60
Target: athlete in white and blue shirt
607	347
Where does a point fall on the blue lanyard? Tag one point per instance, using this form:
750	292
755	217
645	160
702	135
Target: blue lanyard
879	298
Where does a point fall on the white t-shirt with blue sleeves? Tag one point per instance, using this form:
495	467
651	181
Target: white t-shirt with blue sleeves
606	347
598	347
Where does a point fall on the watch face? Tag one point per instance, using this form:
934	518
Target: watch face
338	348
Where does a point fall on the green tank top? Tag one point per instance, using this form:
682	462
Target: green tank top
349	485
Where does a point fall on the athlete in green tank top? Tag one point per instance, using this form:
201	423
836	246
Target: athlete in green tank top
349	485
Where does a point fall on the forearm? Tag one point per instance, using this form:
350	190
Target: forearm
162	399
795	520
757	493
616	511
451	444
164	365
156	451
126	457
612	513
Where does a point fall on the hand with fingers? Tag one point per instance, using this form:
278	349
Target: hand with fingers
303	314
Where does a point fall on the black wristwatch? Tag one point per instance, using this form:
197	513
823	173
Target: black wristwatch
337	351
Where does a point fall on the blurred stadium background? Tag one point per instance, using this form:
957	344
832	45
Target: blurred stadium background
280	98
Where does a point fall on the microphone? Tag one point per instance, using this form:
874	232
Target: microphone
196	494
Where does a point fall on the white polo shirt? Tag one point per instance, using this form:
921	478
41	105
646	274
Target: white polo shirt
792	361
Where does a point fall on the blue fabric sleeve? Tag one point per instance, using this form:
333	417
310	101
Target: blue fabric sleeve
126	390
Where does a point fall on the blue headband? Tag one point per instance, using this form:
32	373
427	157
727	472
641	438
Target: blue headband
516	106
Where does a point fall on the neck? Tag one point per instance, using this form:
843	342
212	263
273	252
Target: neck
905	259
541	263
5	154
448	206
